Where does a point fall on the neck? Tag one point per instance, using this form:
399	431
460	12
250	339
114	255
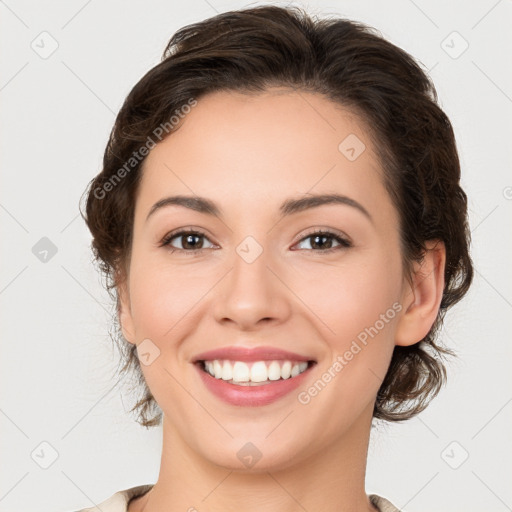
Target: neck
331	480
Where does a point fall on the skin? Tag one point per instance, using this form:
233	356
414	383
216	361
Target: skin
249	153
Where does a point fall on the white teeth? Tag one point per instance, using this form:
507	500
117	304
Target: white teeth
217	369
286	370
209	368
259	372
274	371
227	371
239	372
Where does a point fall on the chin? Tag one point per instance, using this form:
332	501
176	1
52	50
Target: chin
258	453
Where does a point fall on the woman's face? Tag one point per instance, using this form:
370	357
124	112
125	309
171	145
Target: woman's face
257	278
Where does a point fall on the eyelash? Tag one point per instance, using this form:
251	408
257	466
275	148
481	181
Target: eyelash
344	242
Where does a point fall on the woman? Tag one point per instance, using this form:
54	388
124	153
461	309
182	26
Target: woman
280	220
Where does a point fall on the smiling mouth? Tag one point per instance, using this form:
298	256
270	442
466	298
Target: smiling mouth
256	373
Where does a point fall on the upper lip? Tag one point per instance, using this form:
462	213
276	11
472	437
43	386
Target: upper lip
249	354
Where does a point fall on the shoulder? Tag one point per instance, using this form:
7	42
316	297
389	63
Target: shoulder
382	504
118	502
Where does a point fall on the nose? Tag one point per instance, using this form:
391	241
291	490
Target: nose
252	294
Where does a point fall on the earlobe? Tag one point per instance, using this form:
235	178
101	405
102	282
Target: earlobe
124	314
422	296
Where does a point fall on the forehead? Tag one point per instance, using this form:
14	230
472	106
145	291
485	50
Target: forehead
256	149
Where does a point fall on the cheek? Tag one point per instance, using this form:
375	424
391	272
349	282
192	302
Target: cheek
165	297
358	310
357	305
166	307
346	299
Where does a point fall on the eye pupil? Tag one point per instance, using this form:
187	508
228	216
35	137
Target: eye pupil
322	237
188	244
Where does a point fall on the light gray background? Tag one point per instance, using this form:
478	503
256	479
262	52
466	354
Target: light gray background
57	362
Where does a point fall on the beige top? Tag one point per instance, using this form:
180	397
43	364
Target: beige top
119	501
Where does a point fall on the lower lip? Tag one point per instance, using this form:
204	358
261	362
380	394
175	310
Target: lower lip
251	395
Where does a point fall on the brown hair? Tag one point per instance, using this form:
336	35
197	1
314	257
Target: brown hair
351	64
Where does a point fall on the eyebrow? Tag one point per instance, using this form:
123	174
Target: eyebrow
288	207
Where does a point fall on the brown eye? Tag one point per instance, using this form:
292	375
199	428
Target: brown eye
190	241
325	241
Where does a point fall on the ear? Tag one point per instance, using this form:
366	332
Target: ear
124	312
422	295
